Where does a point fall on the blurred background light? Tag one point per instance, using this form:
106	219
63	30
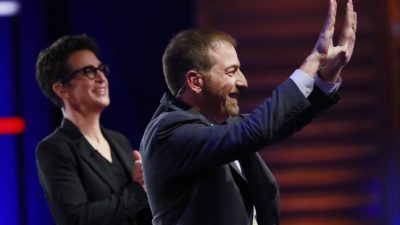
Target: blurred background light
9	8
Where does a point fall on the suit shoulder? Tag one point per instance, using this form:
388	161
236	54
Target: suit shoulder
173	119
56	143
167	123
56	136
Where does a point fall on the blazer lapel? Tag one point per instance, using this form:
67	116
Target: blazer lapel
124	156
263	189
242	184
238	171
89	154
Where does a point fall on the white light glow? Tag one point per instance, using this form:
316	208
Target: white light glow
9	8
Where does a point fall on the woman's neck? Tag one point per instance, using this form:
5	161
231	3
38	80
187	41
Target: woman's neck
88	123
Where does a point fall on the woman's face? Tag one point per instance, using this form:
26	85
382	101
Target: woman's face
82	93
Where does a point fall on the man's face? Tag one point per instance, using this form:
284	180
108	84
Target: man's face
223	82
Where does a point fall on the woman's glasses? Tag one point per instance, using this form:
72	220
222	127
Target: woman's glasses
89	71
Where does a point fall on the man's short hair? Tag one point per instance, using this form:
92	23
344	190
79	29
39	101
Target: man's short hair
188	50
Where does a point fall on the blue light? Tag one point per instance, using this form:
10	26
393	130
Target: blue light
9	8
9	207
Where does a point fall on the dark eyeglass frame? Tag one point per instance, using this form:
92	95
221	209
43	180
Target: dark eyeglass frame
90	72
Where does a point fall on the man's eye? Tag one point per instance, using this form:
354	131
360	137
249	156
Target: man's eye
230	73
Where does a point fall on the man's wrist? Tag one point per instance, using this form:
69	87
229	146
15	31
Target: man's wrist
327	88
312	64
330	73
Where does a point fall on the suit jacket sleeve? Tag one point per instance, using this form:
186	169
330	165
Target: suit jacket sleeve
185	144
59	173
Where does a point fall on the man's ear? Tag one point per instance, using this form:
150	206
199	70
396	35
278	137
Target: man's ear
194	81
60	91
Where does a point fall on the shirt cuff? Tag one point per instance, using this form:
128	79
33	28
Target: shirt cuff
303	81
326	87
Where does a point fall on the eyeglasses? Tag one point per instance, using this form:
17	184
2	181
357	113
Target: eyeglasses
90	72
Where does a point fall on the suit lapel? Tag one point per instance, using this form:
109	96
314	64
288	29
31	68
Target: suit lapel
263	189
97	163
89	155
125	158
237	170
242	184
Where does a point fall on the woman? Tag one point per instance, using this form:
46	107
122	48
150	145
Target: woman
87	172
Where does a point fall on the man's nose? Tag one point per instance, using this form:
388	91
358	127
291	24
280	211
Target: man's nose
241	81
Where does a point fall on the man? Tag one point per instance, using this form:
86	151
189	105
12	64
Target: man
190	147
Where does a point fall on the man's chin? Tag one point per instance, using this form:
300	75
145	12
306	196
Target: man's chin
233	111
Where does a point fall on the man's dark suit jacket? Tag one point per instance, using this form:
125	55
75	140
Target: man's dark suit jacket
186	160
80	189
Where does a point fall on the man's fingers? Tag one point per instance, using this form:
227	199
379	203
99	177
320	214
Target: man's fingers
349	22
332	12
352	36
349	26
326	35
355	22
136	155
331	18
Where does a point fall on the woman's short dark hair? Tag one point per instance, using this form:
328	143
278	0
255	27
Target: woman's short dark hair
52	65
188	50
